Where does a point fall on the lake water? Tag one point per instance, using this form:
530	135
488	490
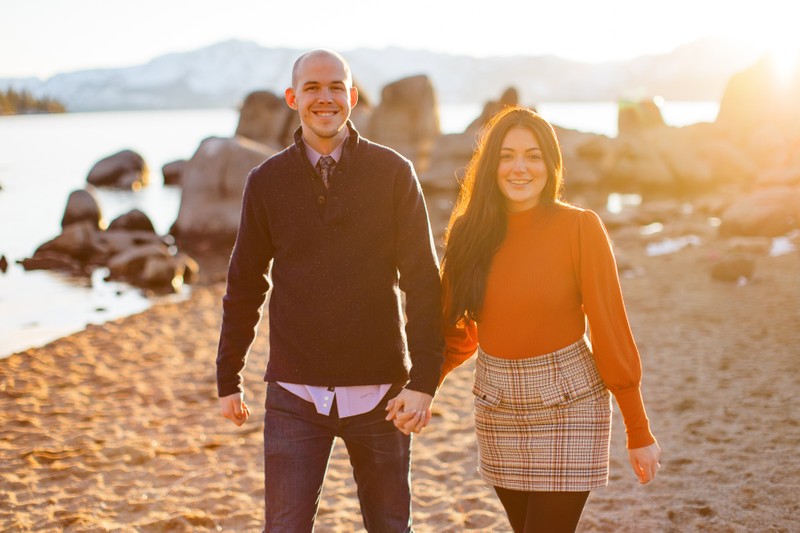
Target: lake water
45	157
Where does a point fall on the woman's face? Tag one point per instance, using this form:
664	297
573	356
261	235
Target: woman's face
521	172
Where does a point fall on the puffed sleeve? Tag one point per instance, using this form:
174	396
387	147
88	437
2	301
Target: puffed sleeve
461	338
614	349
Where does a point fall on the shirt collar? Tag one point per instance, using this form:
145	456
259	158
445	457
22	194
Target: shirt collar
314	156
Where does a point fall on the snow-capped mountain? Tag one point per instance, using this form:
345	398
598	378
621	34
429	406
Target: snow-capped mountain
221	75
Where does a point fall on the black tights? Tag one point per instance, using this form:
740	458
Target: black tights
542	512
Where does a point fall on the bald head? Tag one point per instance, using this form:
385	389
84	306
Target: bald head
316	54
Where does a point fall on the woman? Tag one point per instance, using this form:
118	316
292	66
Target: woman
523	273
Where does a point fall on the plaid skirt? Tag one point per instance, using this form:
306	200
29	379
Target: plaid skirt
542	423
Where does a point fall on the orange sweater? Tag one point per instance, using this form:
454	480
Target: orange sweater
554	270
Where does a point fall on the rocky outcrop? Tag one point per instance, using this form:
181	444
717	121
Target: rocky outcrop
123	170
509	97
407	119
133	220
766	212
211	196
82	206
634	117
129	249
173	172
265	118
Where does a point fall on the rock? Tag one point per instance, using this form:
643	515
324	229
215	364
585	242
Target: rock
52	261
449	158
407	119
3	264
211	196
586	158
748	99
779	176
728	163
173	172
123	170
509	97
639	166
130	263
634	117
134	219
76	241
109	243
191	268
161	271
766	212
757	97
733	268
81	206
265	118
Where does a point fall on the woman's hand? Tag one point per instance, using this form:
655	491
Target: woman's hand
645	462
410	411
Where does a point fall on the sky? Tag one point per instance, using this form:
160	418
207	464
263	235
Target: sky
40	38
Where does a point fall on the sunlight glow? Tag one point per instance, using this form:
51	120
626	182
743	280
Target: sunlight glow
785	61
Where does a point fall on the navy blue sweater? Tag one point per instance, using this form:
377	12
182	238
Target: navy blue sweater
339	258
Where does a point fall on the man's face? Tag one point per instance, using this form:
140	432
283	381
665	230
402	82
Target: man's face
323	95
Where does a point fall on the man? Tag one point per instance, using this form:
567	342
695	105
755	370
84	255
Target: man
343	238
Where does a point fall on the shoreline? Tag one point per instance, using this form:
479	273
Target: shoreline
117	427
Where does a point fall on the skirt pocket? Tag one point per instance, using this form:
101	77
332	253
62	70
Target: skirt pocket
486	395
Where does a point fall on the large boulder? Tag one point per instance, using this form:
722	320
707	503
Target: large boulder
212	191
639	166
76	241
766	212
449	158
135	219
635	116
510	97
173	171
106	244
82	206
586	158
265	118
407	119
760	109
123	170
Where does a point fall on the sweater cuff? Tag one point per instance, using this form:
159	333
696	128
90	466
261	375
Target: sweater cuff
637	427
424	380
226	389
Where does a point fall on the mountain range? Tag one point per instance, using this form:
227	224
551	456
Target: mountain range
222	74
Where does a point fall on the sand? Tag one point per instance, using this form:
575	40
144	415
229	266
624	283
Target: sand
117	428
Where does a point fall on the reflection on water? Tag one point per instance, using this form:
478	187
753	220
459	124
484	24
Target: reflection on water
40	306
616	202
669	246
783	245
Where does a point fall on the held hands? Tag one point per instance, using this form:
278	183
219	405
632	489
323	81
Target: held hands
234	408
645	462
410	411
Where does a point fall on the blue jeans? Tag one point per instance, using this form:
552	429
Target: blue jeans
297	447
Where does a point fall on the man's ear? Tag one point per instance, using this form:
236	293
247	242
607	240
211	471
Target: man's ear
353	96
291	99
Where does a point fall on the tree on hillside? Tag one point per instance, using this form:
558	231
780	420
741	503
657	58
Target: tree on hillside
14	102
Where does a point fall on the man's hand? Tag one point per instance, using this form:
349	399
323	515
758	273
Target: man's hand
410	411
234	408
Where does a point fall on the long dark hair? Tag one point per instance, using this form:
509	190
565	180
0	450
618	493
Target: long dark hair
479	219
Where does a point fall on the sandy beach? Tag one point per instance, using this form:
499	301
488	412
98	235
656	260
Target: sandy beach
117	428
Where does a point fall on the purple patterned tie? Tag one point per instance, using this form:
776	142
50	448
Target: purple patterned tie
325	168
